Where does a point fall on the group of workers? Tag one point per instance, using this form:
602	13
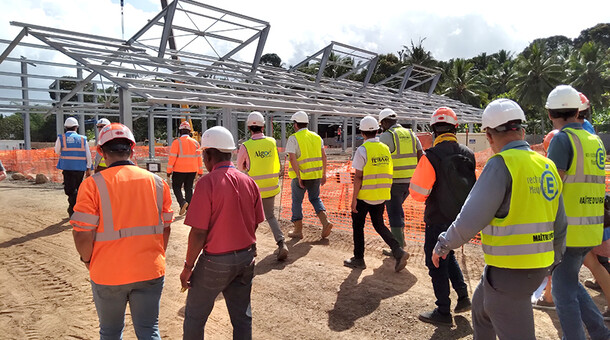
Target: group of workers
537	215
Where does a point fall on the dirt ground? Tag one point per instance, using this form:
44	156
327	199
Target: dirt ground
45	292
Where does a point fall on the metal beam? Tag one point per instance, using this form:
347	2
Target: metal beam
167	29
26	113
13	44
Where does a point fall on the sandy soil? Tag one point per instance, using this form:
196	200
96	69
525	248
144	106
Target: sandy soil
45	292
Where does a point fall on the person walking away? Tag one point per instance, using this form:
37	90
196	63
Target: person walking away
184	164
74	160
307	171
517	206
227	210
580	158
258	157
406	151
443	179
121	227
99	163
372	184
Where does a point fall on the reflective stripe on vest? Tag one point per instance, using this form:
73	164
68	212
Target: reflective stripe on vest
264	165
73	155
377	172
404	155
584	190
524	238
109	233
310	162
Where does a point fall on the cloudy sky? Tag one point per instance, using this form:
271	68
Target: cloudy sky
451	28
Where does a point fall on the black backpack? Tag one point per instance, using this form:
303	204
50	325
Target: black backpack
455	177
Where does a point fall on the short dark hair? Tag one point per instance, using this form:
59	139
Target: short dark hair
301	125
72	128
390	120
217	155
121	147
440	128
511	126
369	134
563	113
185	132
255	128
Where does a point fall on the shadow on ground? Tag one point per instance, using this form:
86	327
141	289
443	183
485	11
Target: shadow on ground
48	231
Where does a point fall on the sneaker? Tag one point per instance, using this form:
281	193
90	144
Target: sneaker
401	262
463	305
606	314
354	263
436	318
183	208
541	303
282	251
591	283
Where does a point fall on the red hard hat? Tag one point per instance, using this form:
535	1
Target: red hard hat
444	115
185	126
116	131
547	139
584	102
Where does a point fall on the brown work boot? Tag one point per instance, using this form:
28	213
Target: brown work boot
326	226
282	251
297	229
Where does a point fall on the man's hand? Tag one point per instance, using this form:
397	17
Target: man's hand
323	180
185	278
169	175
436	258
354	202
301	183
87	173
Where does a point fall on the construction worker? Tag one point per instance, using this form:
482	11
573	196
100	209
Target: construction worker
184	165
406	151
2	172
516	204
443	178
372	183
74	160
121	226
584	111
308	172
227	210
259	158
99	163
580	159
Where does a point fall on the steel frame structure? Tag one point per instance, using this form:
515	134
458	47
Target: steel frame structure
213	87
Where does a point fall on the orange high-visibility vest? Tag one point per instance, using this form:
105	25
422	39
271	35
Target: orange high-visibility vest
184	156
129	208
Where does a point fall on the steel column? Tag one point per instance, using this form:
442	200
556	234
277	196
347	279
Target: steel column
344	133
26	102
125	115
151	135
81	98
353	135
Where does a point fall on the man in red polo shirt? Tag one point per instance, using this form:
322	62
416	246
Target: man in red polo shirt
227	211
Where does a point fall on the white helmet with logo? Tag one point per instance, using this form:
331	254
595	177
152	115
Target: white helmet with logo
501	111
219	138
71	122
563	97
386	113
369	123
300	117
255	118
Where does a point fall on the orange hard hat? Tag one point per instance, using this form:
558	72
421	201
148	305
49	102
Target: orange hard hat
116	131
547	139
444	115
185	126
584	102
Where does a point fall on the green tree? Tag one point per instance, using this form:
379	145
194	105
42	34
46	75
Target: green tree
461	83
588	71
271	59
417	55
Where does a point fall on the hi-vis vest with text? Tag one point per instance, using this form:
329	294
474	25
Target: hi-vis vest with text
524	238
310	161
377	172
72	156
264	165
584	190
404	155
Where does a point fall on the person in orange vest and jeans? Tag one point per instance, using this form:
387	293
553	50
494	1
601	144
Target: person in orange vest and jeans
184	165
121	226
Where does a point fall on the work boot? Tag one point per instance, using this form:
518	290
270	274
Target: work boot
463	305
388	251
436	318
183	208
297	229
355	263
326	226
282	251
401	262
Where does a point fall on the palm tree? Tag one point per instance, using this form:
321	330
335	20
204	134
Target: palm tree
417	55
587	68
461	83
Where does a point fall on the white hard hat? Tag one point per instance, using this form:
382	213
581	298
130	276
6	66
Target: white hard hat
369	123
185	126
385	113
563	97
300	117
444	115
584	102
102	122
219	138
116	131
255	118
71	122
501	111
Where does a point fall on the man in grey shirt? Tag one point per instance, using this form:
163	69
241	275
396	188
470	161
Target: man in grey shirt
522	237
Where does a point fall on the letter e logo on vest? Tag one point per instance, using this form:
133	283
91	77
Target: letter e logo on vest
601	158
548	185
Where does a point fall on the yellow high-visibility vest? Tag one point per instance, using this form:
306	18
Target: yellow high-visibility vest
524	238
377	173
310	161
584	190
264	165
404	155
